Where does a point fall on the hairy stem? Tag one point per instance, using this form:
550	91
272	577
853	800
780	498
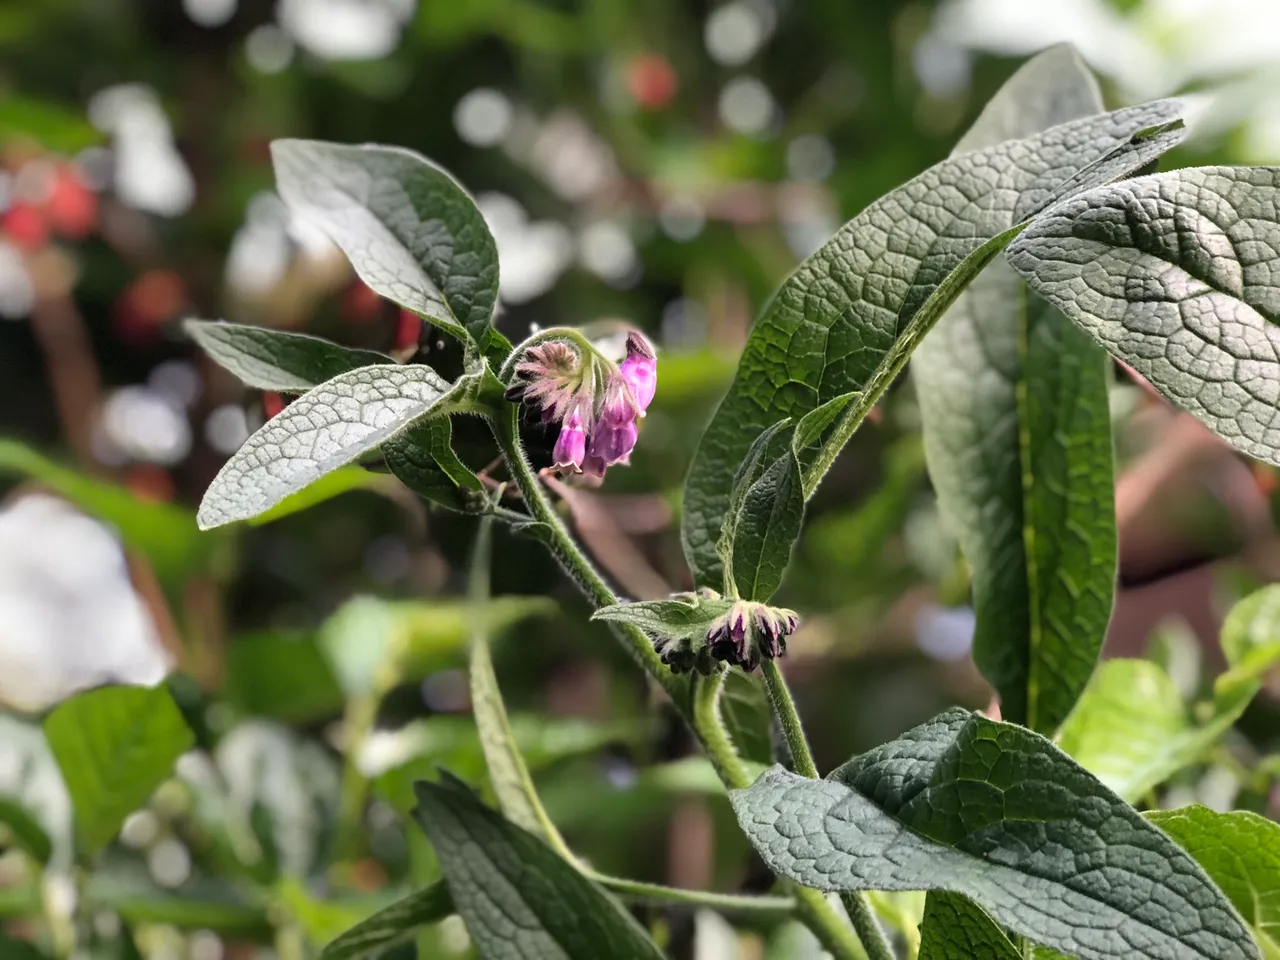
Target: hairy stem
860	915
785	709
700	711
743	904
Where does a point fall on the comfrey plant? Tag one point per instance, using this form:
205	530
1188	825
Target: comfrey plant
1042	244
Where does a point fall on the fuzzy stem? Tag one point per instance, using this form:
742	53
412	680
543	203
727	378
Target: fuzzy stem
860	915
700	711
742	904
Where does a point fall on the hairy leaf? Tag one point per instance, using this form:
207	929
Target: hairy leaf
1013	403
520	898
684	616
767	528
327	428
848	318
1174	273
994	811
1241	852
115	745
276	359
1131	728
421	457
393	924
956	928
410	231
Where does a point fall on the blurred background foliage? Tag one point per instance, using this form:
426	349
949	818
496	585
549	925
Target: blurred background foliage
666	163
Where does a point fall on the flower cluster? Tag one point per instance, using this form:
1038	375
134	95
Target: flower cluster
749	631
738	632
596	402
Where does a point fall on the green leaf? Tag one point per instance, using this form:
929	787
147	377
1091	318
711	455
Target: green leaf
410	231
422	458
115	745
281	674
996	812
1131	728
165	534
767	528
1173	274
508	773
1241	852
203	904
684	616
374	644
393	924
744	706
849	317
49	124
275	359
956	928
518	897
1014	408
327	428
27	834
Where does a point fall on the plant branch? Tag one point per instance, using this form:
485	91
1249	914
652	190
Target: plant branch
785	709
860	915
700	711
722	902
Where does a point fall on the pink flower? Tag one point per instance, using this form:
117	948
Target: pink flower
640	371
571	445
612	441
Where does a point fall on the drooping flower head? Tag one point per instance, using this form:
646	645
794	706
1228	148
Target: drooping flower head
750	631
596	401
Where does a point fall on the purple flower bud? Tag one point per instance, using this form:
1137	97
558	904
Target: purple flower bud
611	441
619	404
640	371
571	445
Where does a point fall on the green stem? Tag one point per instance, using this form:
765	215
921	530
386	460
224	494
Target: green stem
724	902
575	563
709	725
789	719
702	714
860	914
358	720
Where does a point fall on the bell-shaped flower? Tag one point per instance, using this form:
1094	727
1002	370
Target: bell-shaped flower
640	371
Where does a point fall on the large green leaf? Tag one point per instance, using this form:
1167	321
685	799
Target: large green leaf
277	359
1013	403
1241	852
1131	728
956	928
996	812
393	924
849	317
520	898
410	231
115	745
422	458
329	427
1175	274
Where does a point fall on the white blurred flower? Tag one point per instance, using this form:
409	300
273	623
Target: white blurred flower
69	616
345	29
531	256
150	174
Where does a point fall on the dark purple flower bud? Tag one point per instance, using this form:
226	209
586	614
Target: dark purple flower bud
750	631
571	446
640	371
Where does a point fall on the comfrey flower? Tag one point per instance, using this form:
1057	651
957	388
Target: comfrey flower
596	401
749	631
